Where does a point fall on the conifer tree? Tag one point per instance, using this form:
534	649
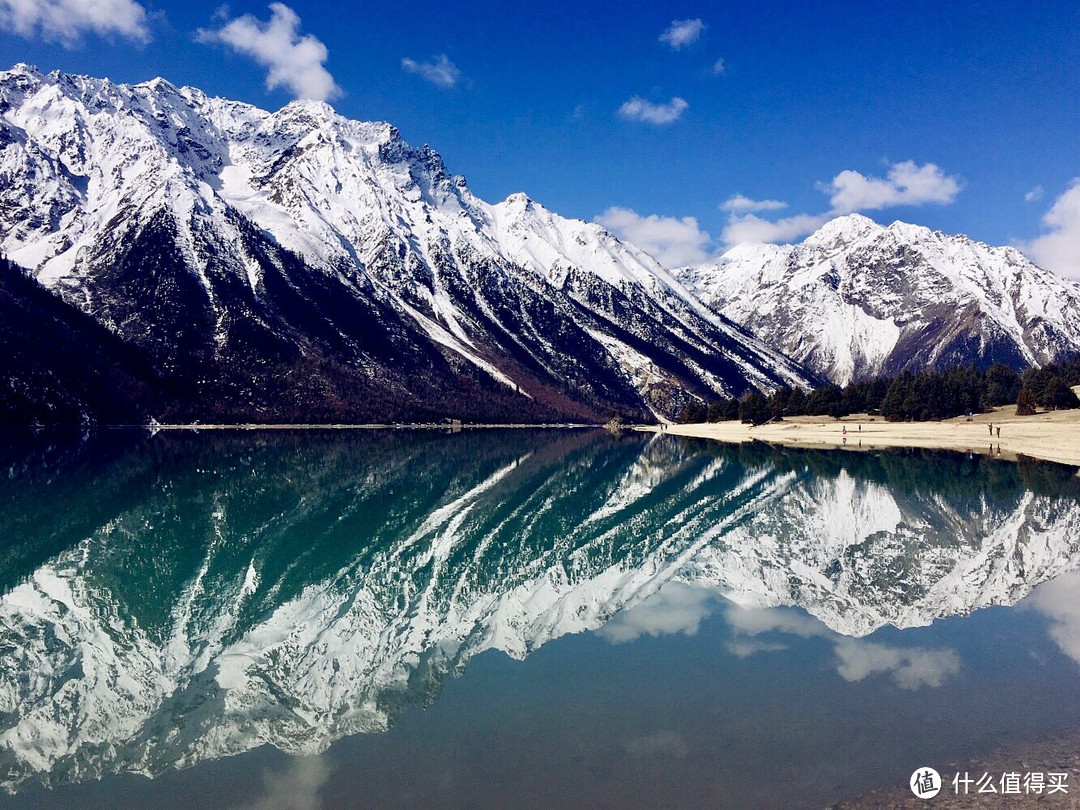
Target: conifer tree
1025	402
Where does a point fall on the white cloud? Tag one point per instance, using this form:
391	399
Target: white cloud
682	33
750	621
909	667
638	109
671	241
750	228
440	71
741	204
719	67
744	648
296	788
293	61
1059	248
65	21
675	608
1034	195
678	242
1059	599
906	184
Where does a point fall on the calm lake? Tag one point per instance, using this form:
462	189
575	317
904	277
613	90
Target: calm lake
519	618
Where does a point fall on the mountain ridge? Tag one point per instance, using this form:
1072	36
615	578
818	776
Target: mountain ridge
856	300
234	245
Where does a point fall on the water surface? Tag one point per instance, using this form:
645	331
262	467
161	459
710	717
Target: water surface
519	618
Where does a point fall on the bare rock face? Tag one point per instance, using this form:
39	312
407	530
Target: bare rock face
856	300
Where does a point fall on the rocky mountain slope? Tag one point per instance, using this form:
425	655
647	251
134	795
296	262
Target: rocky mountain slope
297	265
35	324
857	300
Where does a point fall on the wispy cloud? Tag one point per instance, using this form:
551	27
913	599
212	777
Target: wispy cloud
1059	248
638	109
910	668
66	21
677	242
297	787
672	241
751	228
719	67
293	61
440	71
682	33
1034	195
745	647
905	184
675	608
1059	599
741	204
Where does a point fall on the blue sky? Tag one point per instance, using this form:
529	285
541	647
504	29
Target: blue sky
961	116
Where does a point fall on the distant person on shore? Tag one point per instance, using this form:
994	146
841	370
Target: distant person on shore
999	431
990	427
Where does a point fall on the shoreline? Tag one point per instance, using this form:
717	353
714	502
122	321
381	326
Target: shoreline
345	426
1052	436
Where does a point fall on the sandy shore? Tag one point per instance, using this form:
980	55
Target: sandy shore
1052	436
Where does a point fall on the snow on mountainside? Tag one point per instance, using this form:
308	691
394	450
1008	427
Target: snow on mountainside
153	630
300	257
856	300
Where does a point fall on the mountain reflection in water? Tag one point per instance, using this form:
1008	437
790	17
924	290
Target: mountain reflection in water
189	597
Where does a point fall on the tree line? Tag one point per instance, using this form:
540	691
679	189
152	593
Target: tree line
909	396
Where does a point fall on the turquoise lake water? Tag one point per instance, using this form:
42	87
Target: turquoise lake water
519	618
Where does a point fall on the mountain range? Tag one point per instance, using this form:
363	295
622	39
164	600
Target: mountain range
857	300
179	258
299	266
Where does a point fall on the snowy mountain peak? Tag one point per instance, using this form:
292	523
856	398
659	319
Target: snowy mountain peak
843	231
748	250
311	107
159	84
23	69
512	295
906	232
519	199
856	300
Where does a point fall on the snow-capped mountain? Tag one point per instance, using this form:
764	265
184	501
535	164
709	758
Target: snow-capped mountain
298	264
856	300
210	595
